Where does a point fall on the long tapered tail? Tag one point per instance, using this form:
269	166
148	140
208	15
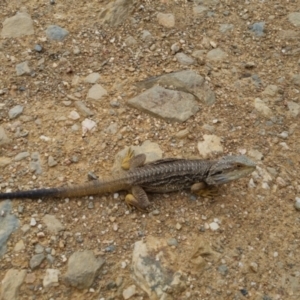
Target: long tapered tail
87	189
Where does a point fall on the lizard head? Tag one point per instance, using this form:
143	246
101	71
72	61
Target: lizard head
230	168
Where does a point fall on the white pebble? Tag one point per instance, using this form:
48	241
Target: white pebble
45	138
214	226
32	222
297	203
74	115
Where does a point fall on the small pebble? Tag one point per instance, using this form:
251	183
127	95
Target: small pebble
32	222
254	267
172	242
178	226
214	226
38	48
297	203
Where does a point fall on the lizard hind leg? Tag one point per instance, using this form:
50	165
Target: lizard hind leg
203	190
138	199
131	161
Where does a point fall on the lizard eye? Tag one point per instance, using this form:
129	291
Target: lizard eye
238	166
218	173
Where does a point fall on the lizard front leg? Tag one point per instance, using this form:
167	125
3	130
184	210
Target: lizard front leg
131	161
204	190
138	198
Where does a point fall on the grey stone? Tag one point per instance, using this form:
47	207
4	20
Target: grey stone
289	34
130	41
294	108
15	111
19	246
56	33
210	145
186	81
166	20
146	36
216	55
172	242
116	12
96	92
23	69
184	59
38	48
52	224
258	28
19	25
83	109
223	270
167	104
112	128
3	137
155	276
11	283
270	91
199	9
261	107
38	249
36	260
129	292
8	224
294	18
51	278
257	155
92	78
21	156
83	267
51	162
296	80
297	203
35	164
226	27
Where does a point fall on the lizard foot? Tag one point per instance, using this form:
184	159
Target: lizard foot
137	199
125	164
203	190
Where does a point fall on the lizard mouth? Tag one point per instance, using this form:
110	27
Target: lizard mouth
224	177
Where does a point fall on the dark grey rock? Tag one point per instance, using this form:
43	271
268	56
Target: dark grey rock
38	48
56	33
172	242
21	156
116	12
53	224
223	270
15	111
83	267
8	224
186	81
166	104
258	28
36	260
183	59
